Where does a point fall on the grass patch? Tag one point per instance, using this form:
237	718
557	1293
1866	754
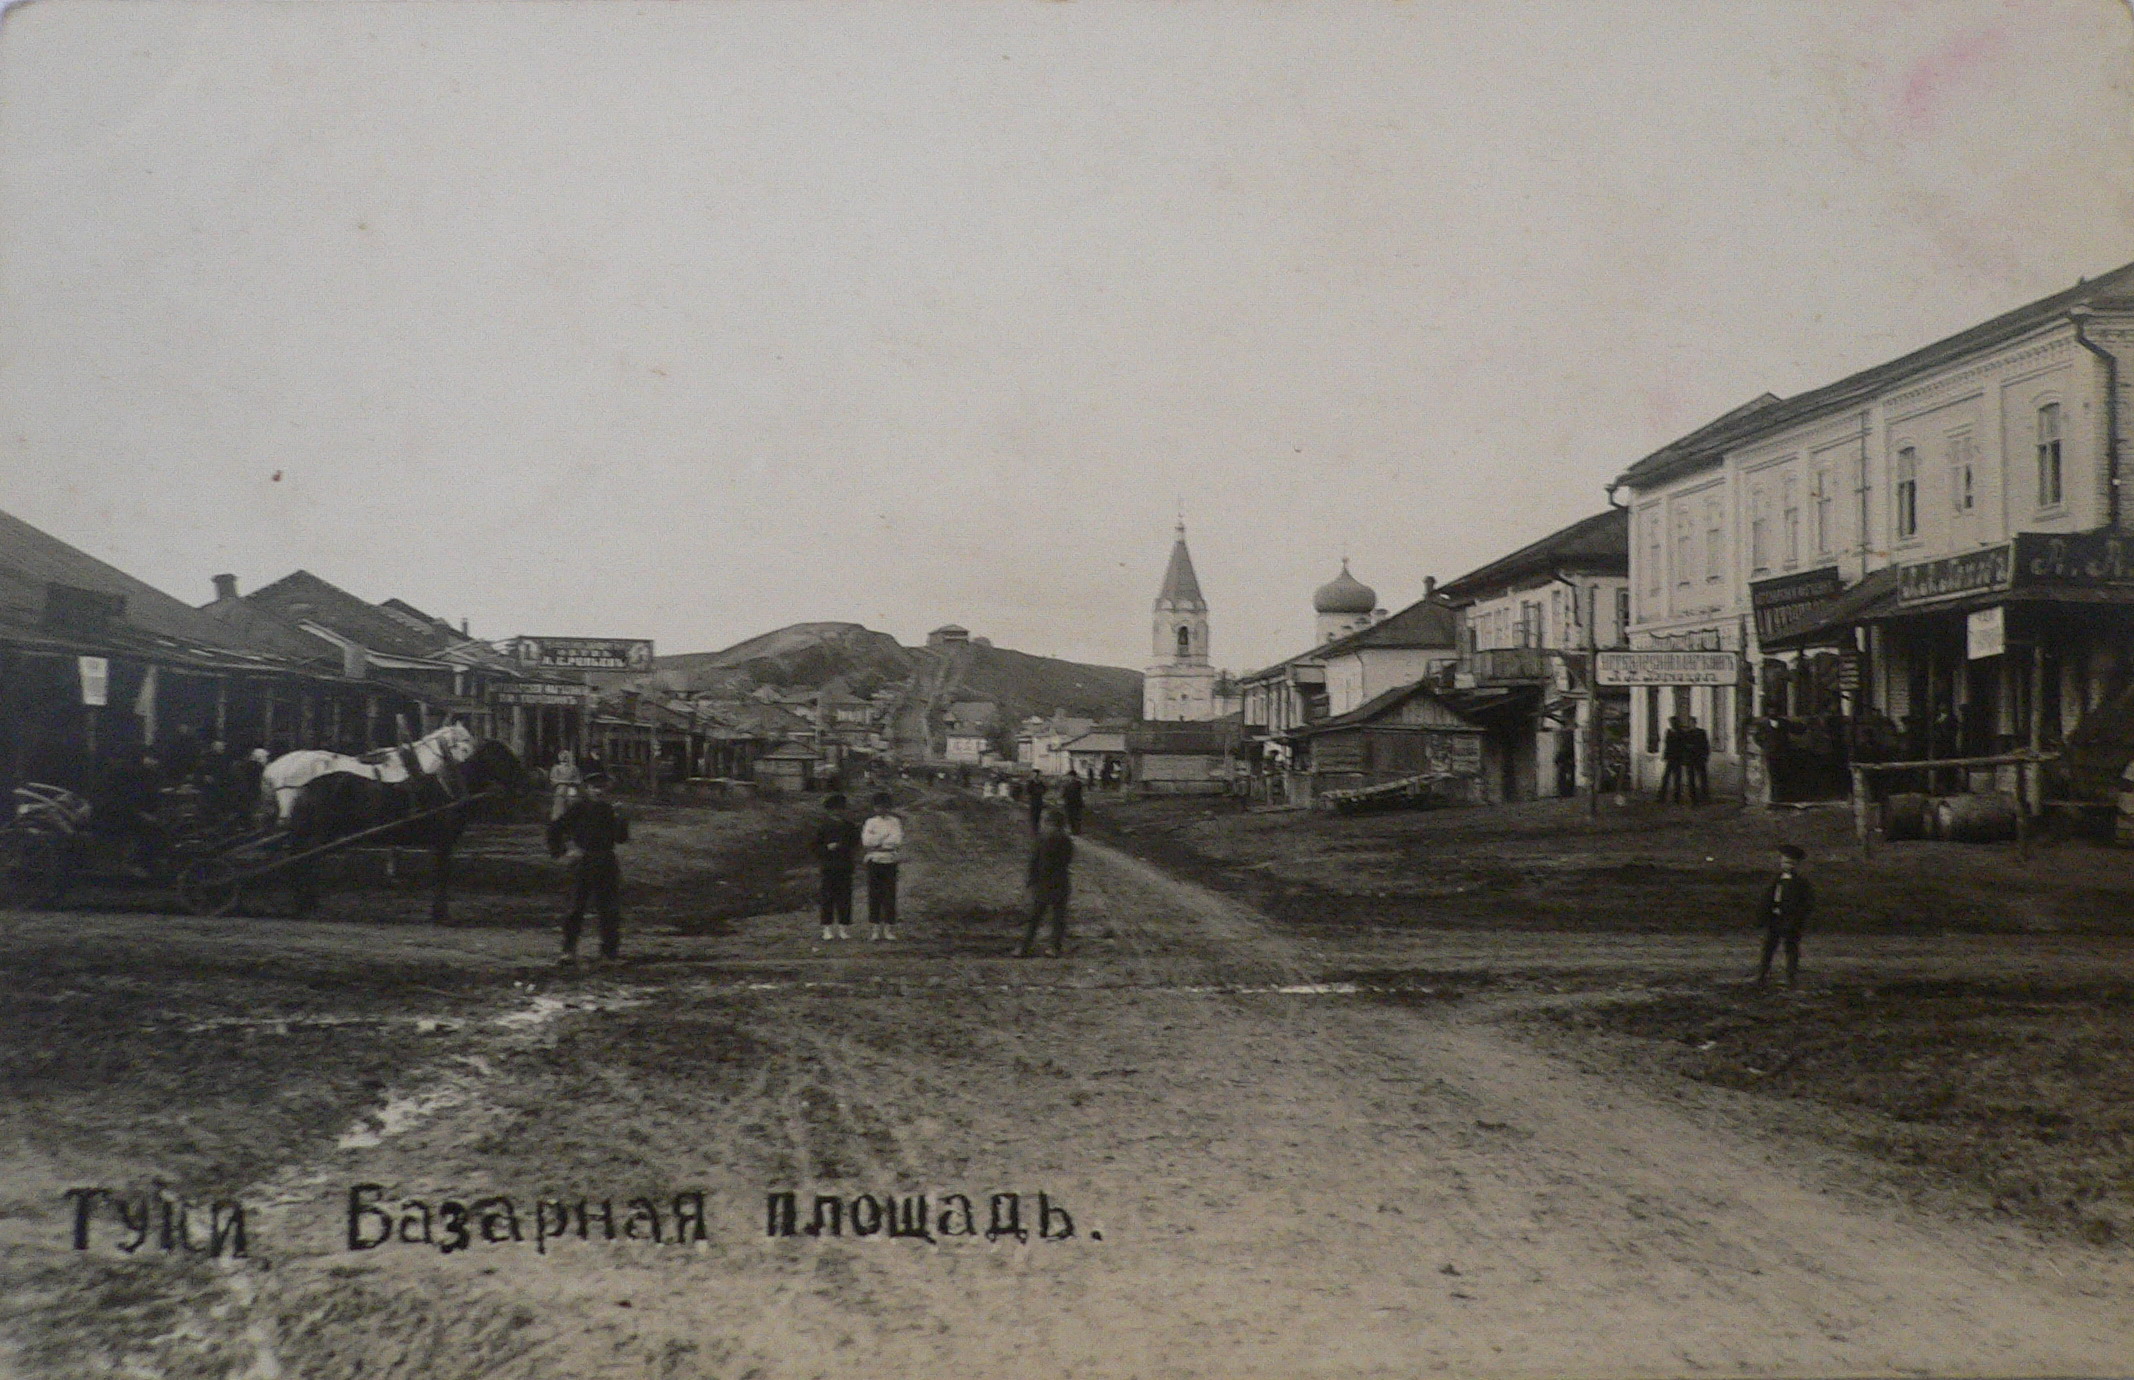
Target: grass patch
2024	1092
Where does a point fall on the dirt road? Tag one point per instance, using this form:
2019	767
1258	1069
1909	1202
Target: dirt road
1267	1174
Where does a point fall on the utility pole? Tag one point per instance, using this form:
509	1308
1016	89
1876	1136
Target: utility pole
1593	702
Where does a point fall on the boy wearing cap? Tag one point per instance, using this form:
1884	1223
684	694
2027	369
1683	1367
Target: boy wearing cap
1787	903
837	850
592	824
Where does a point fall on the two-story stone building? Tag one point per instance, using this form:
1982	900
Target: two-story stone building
1928	557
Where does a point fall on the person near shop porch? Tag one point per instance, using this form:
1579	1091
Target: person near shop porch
565	783
1673	762
1788	901
124	806
882	845
593	827
1071	802
1697	761
1034	795
1049	882
837	853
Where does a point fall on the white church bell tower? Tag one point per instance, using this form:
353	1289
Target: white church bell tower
1179	683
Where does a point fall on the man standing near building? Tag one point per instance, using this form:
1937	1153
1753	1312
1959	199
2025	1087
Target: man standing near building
1071	801
837	851
1672	761
1787	904
593	826
1051	863
1034	794
1697	761
882	843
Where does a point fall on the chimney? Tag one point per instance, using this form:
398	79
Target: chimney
1430	586
463	628
225	586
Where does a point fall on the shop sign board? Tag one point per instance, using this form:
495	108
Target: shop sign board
2091	560
585	653
1989	569
1849	676
96	679
1667	668
1788	602
563	696
1986	632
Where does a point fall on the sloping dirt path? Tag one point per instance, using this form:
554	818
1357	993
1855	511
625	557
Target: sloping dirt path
1262	1182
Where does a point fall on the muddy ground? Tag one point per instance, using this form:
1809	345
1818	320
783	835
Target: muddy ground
1293	1135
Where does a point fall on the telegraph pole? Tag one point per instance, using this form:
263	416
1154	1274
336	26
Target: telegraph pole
1593	702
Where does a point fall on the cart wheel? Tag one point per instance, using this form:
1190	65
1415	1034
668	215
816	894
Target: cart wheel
209	887
35	867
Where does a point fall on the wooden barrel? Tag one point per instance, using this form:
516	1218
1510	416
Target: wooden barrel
1904	816
1984	817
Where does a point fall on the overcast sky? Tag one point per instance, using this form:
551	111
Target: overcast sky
690	320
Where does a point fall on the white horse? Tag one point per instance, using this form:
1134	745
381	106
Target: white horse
433	754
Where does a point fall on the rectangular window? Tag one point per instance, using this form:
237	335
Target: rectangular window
1685	547
1792	523
1759	533
2049	491
1655	554
1622	615
1714	542
1652	719
1824	537
1861	496
1907	515
1963	473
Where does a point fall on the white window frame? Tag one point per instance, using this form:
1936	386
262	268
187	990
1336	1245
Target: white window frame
2051	451
1904	490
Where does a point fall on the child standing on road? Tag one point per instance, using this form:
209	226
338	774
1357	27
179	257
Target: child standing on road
1051	860
882	842
1784	914
592	824
837	849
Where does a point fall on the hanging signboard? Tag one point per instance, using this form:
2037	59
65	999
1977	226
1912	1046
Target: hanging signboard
585	653
1667	668
96	679
1989	569
538	693
1786	603
1986	632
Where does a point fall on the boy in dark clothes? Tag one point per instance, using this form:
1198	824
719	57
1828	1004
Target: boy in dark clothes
1784	914
1034	793
1071	798
1051	860
837	849
593	826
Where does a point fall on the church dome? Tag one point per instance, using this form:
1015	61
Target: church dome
1344	594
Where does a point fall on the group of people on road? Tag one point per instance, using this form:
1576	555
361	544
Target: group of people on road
1685	756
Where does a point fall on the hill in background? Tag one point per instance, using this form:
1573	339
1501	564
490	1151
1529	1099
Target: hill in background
808	656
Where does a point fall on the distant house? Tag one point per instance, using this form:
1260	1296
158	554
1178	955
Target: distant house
1041	744
967	746
1096	753
787	767
1183	758
1412	731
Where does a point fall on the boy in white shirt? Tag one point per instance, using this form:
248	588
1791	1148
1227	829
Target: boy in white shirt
882	845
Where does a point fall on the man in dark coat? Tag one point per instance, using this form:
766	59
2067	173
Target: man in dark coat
1034	794
592	825
1071	801
1696	761
837	851
1787	903
1051	861
1672	759
125	804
